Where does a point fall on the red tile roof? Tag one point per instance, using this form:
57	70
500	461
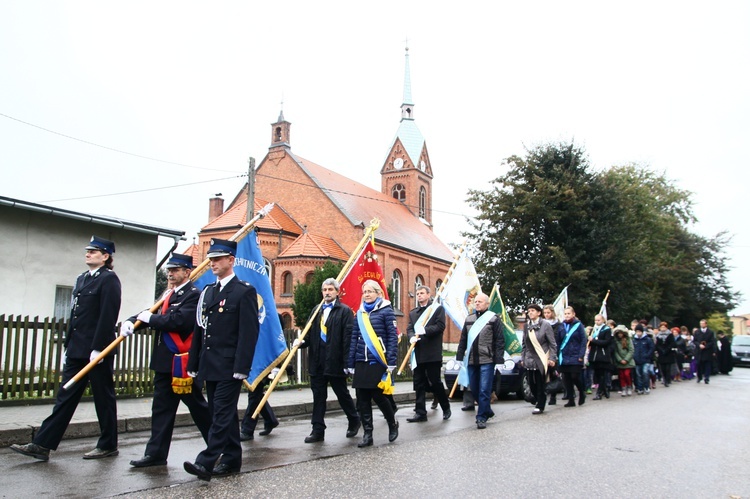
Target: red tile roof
311	245
360	204
236	217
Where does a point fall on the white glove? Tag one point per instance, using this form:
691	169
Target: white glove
460	363
498	367
145	316
239	376
192	374
273	373
414	339
95	354
391	368
350	371
298	342
126	329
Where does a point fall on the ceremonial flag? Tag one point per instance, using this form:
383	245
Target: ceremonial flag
561	303
603	310
365	267
271	347
512	345
459	293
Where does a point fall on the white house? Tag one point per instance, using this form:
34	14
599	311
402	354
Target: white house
42	251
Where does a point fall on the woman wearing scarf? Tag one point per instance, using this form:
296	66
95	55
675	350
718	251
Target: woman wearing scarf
600	357
571	340
548	311
373	356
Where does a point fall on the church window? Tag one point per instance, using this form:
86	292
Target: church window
419	281
309	277
287	286
396	287
422	203
269	268
278	134
399	192
438	283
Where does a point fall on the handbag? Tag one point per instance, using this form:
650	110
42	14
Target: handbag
555	386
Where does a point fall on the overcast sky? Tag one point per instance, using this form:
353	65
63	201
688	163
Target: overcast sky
662	84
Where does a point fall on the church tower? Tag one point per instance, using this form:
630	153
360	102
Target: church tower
406	174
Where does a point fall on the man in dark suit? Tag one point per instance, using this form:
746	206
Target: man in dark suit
328	351
174	324
706	342
428	352
221	355
93	319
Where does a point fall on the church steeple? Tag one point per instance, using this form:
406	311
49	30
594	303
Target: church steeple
406	174
280	132
407	107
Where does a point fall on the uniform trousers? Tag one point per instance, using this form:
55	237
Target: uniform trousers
319	387
224	433
537	383
253	401
164	410
427	374
102	387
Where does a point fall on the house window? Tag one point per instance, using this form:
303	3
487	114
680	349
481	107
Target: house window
422	203
287	286
399	192
396	287
63	301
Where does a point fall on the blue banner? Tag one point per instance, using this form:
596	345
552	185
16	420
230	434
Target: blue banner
271	348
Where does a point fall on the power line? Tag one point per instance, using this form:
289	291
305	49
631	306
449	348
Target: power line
142	190
112	148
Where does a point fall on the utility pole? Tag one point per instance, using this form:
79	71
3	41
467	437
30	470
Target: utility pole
250	188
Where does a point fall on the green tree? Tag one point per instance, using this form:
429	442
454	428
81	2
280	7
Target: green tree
720	322
550	222
161	283
307	295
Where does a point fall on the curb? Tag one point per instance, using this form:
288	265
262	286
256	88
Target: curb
85	429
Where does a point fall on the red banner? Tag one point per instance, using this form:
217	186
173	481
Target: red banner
365	267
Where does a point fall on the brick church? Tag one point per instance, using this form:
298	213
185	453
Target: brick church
320	215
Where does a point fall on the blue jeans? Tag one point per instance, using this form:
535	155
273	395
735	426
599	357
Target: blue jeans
641	377
480	382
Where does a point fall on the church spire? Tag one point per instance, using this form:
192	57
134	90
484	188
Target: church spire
407	107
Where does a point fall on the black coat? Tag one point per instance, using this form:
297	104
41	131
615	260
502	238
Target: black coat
600	354
489	345
330	358
430	347
665	347
709	340
227	344
179	318
93	317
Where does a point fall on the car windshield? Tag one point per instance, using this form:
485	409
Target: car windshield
741	341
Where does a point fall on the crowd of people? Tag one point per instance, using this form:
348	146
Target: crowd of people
587	358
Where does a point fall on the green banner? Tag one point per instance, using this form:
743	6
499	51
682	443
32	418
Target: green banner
512	344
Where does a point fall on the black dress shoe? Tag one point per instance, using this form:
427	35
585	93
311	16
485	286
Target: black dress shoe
101	453
353	428
447	415
32	450
570	403
244	437
393	431
468	408
434	404
315	437
417	419
147	461
198	470
223	469
268	428
366	440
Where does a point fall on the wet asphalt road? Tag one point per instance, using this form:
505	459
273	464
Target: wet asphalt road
688	440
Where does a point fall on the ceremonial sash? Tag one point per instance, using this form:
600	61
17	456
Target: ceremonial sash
419	329
476	328
181	382
565	341
376	348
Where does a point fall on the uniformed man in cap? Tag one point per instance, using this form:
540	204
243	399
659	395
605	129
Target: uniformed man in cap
92	327
174	323
221	355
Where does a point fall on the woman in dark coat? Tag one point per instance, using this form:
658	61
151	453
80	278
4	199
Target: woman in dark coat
665	351
373	355
571	341
600	356
725	354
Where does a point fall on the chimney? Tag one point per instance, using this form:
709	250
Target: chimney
215	207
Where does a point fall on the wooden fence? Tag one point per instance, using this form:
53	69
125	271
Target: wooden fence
32	357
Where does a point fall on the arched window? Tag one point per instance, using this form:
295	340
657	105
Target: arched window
438	283
269	268
396	287
278	134
309	277
422	202
399	192
287	284
418	281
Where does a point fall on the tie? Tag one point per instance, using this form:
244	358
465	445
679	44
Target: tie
165	305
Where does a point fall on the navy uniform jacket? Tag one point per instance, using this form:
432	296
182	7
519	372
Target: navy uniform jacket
330	358
430	347
93	318
227	344
178	318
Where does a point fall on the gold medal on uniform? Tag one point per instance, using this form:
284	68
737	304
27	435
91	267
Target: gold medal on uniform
221	305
